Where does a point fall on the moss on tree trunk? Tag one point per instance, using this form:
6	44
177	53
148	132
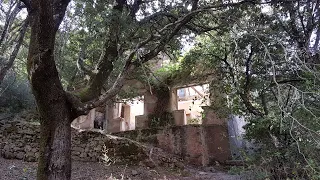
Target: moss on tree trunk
55	142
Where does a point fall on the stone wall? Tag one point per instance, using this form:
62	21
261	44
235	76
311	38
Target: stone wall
147	136
196	144
20	140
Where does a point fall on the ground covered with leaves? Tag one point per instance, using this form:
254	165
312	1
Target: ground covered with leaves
20	170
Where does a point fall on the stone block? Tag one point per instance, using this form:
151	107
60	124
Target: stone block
196	144
20	155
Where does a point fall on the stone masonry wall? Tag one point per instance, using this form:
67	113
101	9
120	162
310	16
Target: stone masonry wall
147	136
195	144
20	140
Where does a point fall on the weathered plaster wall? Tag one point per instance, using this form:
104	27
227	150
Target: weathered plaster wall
196	144
211	117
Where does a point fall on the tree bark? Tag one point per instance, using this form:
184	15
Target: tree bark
55	111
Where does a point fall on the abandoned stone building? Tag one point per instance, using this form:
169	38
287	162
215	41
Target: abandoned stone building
186	104
193	131
177	119
196	132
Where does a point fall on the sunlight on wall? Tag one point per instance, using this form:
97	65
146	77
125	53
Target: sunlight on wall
192	98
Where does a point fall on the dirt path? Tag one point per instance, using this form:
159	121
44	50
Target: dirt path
20	170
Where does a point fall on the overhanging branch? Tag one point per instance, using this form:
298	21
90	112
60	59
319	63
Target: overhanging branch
27	4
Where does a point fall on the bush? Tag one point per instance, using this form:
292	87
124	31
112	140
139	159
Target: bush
15	95
286	150
161	120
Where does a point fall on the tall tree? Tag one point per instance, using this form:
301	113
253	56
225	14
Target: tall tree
133	32
55	111
268	68
58	108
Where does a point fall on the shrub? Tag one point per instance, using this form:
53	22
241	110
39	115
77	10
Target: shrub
161	120
15	95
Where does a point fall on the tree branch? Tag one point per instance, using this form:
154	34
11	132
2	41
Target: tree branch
16	49
80	63
164	36
135	8
59	7
108	56
264	102
10	17
27	4
245	96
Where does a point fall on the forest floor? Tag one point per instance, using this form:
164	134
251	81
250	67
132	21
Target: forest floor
19	170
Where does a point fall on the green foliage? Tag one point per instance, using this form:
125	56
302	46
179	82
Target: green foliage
161	120
168	74
15	95
261	63
128	94
286	149
261	73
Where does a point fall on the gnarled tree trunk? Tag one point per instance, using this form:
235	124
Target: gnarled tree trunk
57	108
55	145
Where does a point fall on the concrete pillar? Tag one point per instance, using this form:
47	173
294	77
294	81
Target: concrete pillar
150	103
122	124
114	125
173	104
127	117
92	117
113	120
180	117
106	115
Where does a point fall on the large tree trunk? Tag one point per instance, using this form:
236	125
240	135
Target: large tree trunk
55	142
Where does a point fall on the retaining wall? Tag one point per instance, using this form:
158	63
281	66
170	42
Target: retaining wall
195	144
20	140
